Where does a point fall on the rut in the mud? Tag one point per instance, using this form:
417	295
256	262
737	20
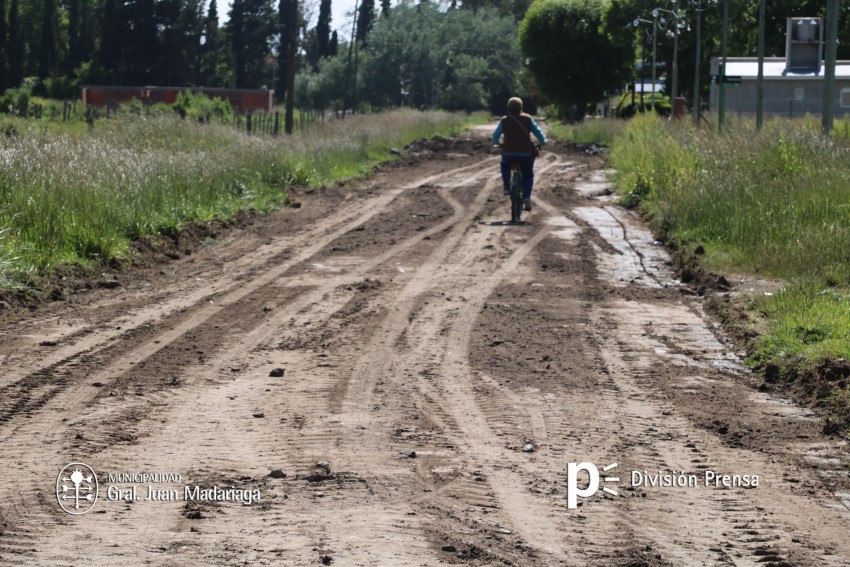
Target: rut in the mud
442	368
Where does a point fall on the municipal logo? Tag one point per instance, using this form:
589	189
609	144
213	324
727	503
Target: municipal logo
76	488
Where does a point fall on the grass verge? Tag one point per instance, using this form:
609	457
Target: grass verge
81	197
599	131
773	202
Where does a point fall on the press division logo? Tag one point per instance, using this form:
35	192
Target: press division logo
573	491
76	488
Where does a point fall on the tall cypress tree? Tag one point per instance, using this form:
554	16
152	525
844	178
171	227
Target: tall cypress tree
365	19
47	46
210	50
323	27
15	49
333	45
71	60
237	24
252	24
4	59
287	27
110	56
385	8
142	51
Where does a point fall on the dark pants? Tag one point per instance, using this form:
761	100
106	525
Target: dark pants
526	165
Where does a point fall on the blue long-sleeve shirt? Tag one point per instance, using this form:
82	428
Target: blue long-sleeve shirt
535	129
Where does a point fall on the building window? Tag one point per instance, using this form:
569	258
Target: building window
844	101
798	93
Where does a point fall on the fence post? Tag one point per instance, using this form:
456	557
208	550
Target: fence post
277	123
248	123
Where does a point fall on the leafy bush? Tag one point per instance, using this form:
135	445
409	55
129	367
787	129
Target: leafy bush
16	101
627	109
200	107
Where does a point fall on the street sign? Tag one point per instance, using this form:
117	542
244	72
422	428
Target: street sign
727	79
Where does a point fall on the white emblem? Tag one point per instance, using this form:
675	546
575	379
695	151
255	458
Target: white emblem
76	488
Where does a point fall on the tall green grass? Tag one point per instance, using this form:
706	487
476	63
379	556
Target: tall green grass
82	197
774	202
600	131
803	320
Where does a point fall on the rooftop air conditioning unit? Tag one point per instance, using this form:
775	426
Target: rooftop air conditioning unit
804	45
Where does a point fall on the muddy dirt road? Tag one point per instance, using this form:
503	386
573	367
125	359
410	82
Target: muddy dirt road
440	370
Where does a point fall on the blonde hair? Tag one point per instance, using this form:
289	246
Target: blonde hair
515	105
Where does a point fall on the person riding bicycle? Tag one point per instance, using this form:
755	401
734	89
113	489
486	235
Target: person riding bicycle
517	127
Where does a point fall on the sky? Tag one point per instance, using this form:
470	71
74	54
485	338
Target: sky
340	20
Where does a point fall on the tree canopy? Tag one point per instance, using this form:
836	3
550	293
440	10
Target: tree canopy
451	53
423	56
572	60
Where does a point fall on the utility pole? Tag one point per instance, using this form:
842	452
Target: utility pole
721	79
290	68
675	85
696	66
654	45
829	56
654	22
760	79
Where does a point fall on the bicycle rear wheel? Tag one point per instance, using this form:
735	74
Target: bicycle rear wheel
516	208
516	196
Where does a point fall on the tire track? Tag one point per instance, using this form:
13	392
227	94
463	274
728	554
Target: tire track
401	442
17	441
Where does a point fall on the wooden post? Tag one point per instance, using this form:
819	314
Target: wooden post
290	68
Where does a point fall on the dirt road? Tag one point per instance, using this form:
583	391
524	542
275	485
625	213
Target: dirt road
441	369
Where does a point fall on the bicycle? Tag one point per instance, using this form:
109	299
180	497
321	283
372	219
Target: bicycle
516	192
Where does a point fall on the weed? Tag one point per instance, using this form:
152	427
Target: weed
81	196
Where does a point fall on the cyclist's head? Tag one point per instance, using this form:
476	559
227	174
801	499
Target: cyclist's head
515	105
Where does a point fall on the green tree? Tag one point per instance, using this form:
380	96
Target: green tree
252	25
323	28
74	47
287	27
365	20
211	56
15	49
515	8
114	31
47	45
4	34
333	45
142	49
572	61
422	56
323	89
180	55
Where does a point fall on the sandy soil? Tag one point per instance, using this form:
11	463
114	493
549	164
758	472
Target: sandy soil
441	369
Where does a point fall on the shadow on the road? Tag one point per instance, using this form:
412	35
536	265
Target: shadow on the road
506	223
